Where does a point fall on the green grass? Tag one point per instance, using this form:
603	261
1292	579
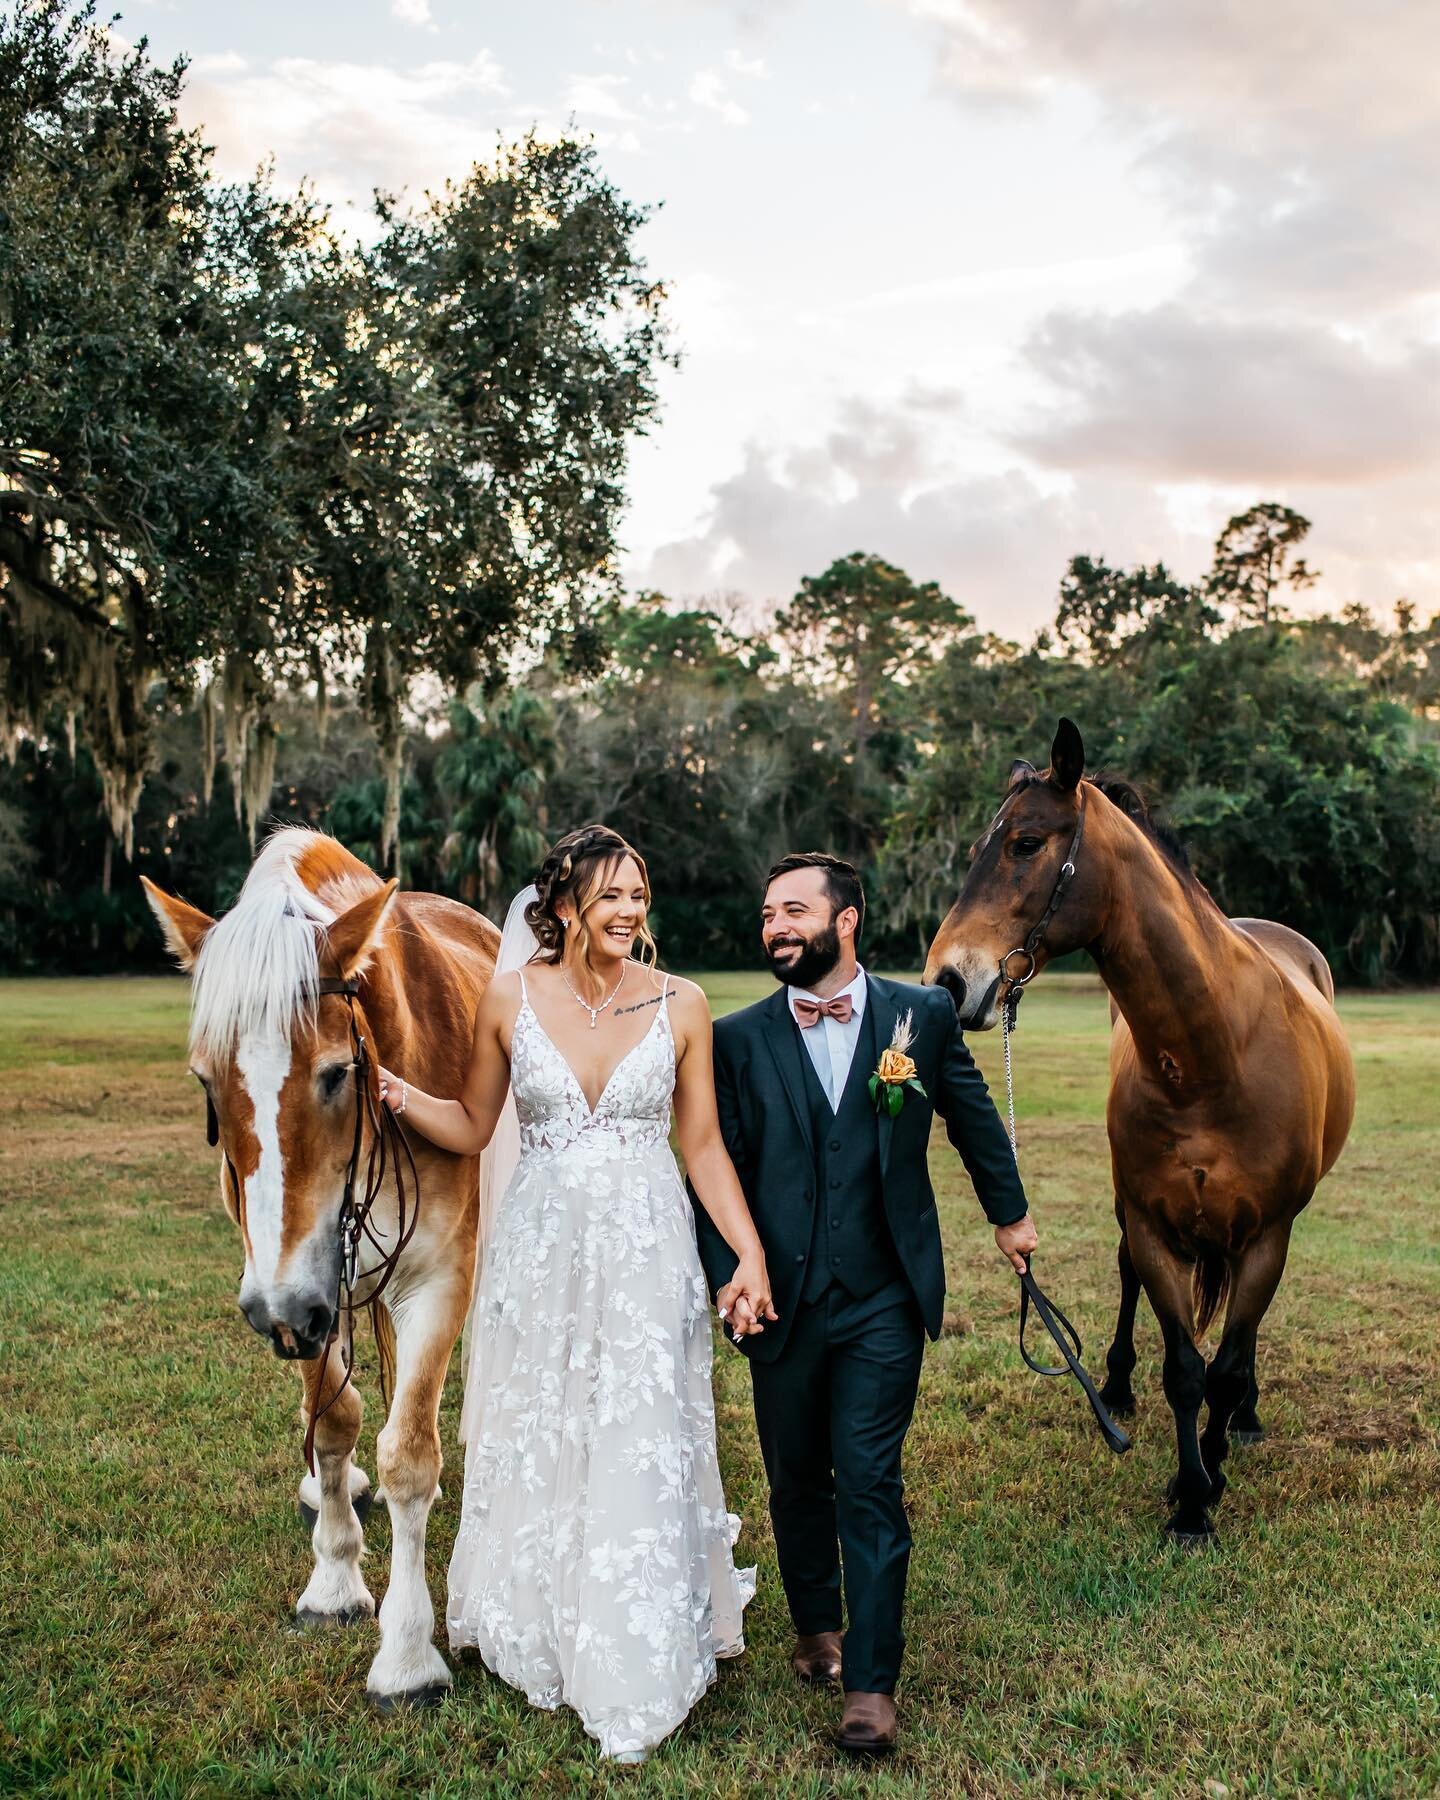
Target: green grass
149	1455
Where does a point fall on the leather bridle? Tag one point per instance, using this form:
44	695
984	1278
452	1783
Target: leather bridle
1035	937
387	1143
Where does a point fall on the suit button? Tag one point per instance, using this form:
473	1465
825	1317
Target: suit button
810	1195
834	1181
834	1143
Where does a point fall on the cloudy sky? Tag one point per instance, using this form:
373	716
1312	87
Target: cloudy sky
973	284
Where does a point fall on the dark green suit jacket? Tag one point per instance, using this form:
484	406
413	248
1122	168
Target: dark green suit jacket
765	1121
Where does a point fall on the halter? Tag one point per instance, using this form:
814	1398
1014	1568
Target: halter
387	1141
1036	935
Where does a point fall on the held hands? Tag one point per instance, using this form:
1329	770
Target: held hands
744	1302
1017	1241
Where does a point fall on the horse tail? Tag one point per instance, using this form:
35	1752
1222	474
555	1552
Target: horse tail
384	1328
1210	1287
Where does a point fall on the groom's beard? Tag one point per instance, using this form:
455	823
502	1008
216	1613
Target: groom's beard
813	964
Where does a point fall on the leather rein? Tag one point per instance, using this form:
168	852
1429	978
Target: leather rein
387	1144
1031	1293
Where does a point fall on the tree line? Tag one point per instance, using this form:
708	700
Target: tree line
1297	758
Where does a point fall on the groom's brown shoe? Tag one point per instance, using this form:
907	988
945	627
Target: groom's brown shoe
817	1658
869	1727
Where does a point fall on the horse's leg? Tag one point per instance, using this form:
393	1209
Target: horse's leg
1245	1426
1167	1287
337	1593
1117	1393
427	1316
1231	1380
361	1497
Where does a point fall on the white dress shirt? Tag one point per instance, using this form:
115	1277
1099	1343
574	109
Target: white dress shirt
831	1044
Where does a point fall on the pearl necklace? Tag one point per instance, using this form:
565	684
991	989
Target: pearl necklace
595	1011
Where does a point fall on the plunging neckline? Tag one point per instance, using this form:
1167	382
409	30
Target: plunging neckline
593	1112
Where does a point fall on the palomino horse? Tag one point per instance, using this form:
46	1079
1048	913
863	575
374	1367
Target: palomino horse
1231	1084
314	934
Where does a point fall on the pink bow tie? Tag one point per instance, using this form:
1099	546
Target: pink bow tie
809	1012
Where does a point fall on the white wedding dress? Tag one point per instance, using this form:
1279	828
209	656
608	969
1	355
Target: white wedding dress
593	1565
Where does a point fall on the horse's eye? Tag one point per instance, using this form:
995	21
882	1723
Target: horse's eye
332	1080
1027	846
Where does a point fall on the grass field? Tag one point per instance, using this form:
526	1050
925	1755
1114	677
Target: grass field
149	1455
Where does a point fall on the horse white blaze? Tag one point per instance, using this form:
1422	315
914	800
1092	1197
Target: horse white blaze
264	1062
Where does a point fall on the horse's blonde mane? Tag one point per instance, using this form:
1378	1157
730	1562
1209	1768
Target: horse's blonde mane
259	966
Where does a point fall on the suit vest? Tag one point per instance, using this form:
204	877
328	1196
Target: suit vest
850	1240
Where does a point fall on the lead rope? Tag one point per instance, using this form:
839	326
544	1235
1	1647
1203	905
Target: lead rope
1005	1028
1031	1293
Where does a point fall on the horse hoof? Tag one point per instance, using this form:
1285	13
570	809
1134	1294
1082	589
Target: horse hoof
307	1620
1247	1434
1187	1537
417	1700
1119	1402
362	1504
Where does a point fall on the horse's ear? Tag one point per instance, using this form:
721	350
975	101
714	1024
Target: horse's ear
1020	770
1067	756
185	926
351	939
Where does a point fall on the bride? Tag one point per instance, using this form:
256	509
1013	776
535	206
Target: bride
593	1565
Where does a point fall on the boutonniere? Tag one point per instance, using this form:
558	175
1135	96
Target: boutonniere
896	1070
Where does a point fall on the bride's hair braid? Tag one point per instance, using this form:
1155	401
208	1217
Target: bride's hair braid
577	868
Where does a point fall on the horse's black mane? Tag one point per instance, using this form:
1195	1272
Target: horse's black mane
1132	802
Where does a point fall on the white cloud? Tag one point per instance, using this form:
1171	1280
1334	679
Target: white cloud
708	90
998	543
598	97
412	12
1180	395
1299	140
349	127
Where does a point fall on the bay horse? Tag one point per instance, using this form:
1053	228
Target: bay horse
315	940
1231	1083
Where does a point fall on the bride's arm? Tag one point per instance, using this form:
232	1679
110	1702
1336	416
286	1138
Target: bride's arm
707	1162
465	1125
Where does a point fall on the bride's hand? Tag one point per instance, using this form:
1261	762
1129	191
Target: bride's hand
745	1302
392	1090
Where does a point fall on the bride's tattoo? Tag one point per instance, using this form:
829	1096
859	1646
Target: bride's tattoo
639	1005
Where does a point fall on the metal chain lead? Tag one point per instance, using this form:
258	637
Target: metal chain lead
1009	1076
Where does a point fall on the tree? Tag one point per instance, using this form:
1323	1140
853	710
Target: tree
490	779
236	451
1302	798
1102	609
864	625
1255	558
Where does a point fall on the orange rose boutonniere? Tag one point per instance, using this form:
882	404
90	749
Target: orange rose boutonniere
896	1070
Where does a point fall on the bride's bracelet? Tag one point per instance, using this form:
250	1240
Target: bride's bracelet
404	1097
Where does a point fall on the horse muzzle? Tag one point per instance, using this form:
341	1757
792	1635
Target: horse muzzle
973	1000
298	1324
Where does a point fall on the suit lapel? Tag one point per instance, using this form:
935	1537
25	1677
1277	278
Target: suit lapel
879	998
782	1036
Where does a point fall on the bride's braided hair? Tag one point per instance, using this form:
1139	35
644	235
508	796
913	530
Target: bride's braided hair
578	868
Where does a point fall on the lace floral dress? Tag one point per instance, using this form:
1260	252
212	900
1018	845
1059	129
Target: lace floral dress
593	1565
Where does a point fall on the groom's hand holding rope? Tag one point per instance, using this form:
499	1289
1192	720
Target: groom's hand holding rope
1018	1241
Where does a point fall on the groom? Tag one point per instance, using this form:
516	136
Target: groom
841	1195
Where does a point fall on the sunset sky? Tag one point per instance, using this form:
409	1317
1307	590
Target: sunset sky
973	286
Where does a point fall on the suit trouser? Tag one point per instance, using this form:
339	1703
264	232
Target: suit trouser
832	1411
